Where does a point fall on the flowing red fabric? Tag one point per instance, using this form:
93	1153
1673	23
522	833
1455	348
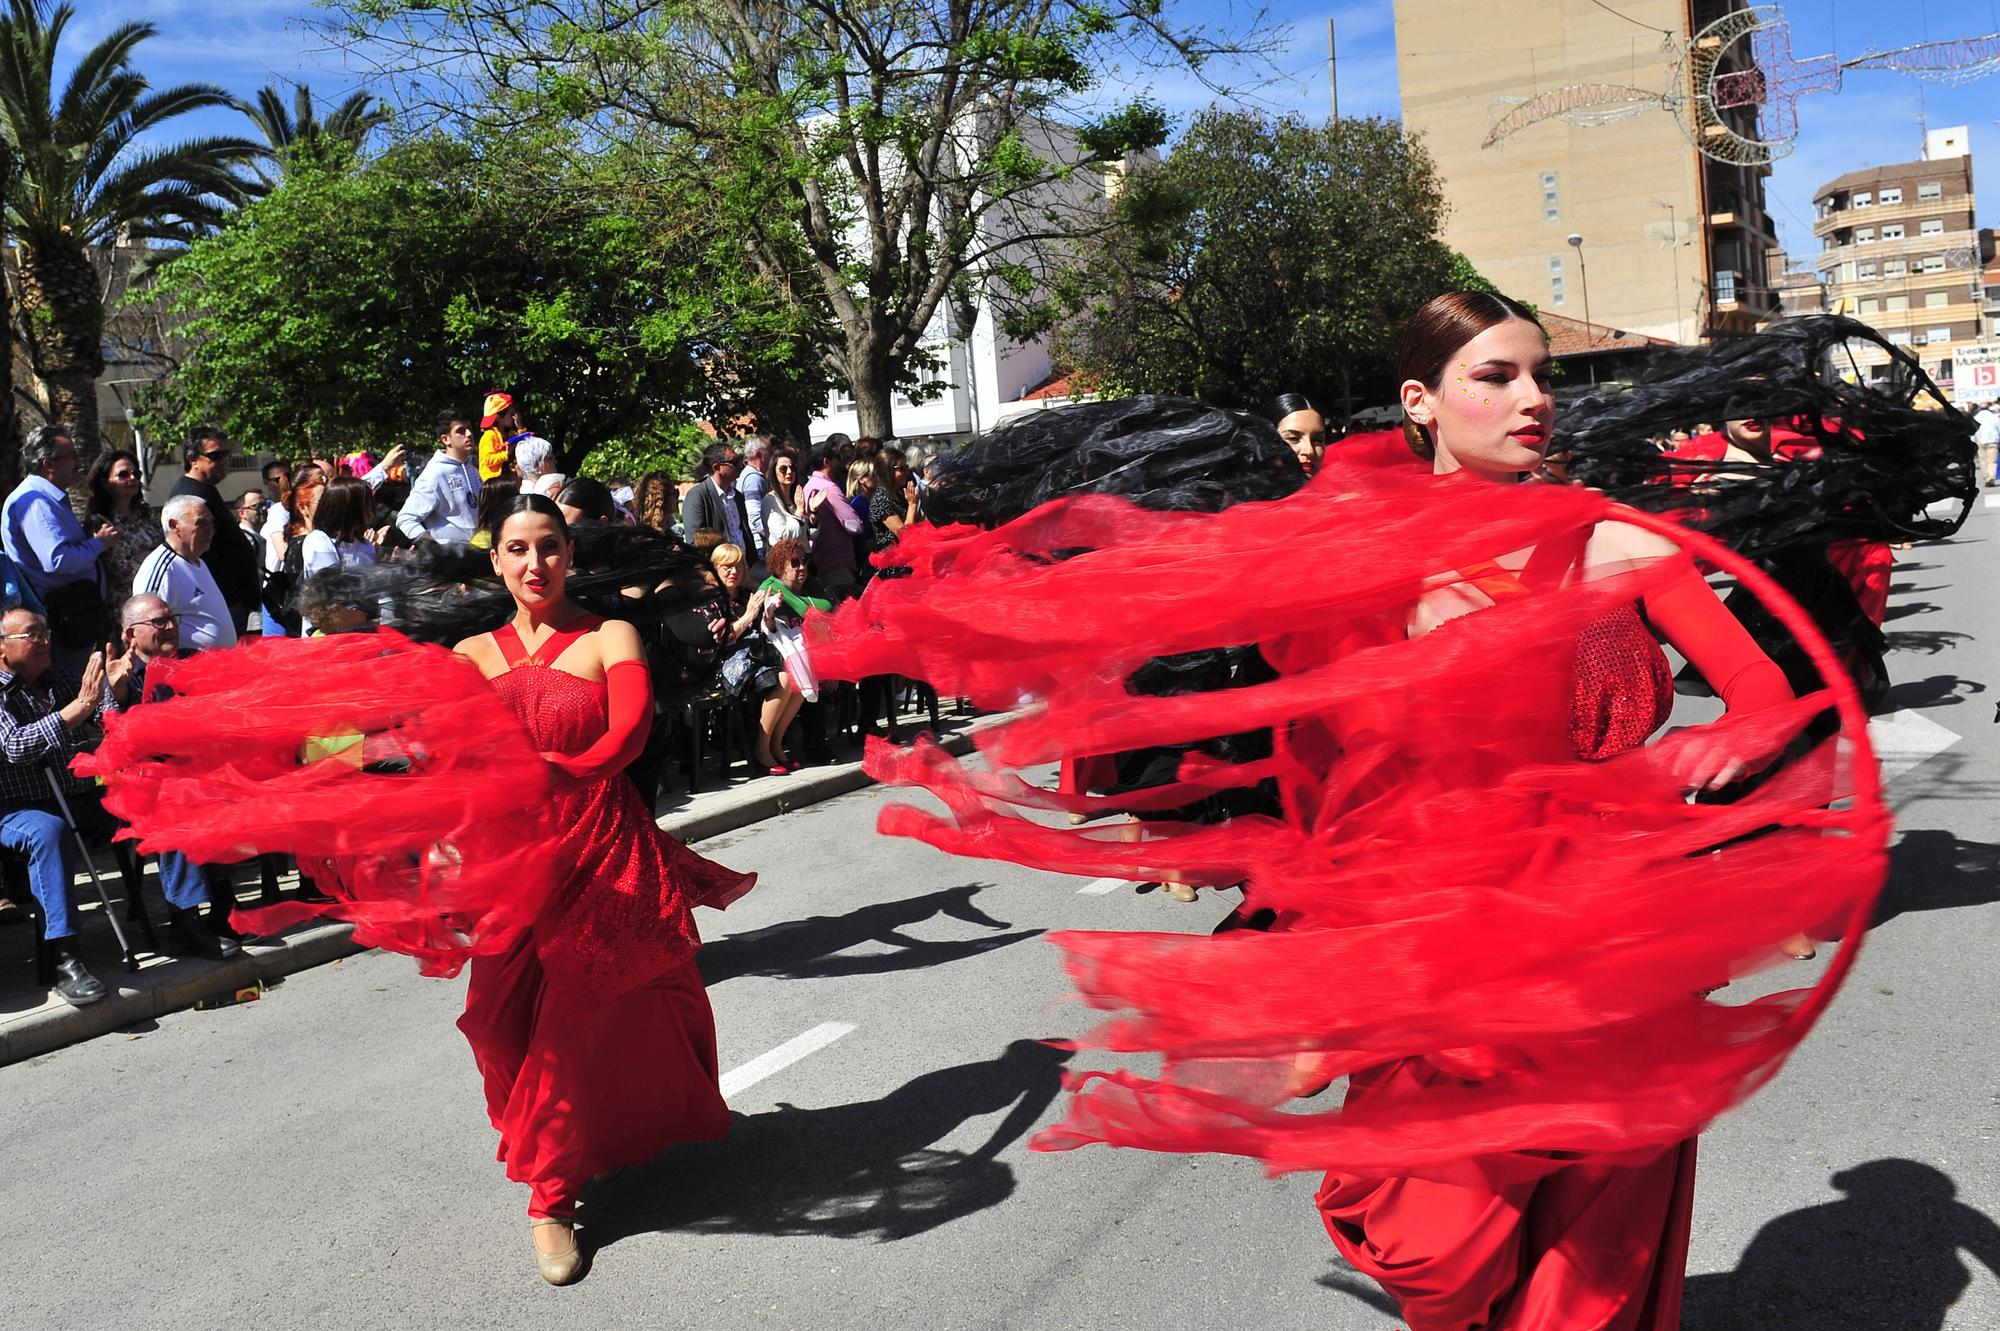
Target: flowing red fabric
1462	888
385	765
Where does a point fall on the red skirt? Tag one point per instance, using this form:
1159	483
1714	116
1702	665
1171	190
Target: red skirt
576	1085
1592	1246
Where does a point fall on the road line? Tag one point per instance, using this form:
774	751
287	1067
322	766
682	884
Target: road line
1098	887
738	1080
1905	739
1993	501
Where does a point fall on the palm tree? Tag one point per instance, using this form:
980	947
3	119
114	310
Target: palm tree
82	183
300	128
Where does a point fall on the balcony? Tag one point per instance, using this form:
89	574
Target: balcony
1944	244
1950	207
1930	316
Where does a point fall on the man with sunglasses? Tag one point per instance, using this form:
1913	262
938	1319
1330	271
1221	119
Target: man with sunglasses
231	557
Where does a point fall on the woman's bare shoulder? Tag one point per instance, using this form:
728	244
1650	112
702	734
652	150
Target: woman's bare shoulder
1614	540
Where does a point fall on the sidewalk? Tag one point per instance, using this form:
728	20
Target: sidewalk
33	1021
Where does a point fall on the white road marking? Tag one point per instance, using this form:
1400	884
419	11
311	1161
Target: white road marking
1993	501
1098	887
1905	739
738	1080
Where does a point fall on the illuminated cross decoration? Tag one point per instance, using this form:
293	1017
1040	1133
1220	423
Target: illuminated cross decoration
1775	82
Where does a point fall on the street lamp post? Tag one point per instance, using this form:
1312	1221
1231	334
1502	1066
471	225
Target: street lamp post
1583	273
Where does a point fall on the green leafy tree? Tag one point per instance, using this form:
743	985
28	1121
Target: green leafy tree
1263	256
299	129
879	163
82	182
355	300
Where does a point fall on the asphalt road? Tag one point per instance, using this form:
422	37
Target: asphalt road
321	1158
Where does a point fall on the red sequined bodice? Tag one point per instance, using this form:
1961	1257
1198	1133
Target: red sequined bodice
620	914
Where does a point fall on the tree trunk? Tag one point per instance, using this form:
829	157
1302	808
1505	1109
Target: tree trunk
10	420
874	391
64	315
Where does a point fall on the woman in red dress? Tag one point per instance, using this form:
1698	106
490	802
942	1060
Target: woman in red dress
593	1031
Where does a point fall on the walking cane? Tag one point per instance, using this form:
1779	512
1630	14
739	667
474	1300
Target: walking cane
117	926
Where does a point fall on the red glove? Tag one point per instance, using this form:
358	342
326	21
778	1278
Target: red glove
1687	613
631	690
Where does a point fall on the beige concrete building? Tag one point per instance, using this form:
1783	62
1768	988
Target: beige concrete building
1673	245
1901	251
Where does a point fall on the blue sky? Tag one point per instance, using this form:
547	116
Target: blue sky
1873	119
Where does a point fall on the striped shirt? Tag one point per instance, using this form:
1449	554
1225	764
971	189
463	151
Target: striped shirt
190	591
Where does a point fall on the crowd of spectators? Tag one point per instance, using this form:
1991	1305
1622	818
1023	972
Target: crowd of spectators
95	586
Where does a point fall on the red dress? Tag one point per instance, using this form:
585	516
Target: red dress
1592	1246
593	1032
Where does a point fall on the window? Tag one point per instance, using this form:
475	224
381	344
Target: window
1551	208
1935	299
1725	286
1931	263
1893	231
1895	304
1556	294
1894	194
1548	180
1938	335
1869	305
1930	189
1864	235
1864	270
1862	198
1931	226
1899	337
1893	268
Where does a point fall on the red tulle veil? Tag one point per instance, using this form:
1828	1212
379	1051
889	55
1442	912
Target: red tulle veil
1454	884
387	766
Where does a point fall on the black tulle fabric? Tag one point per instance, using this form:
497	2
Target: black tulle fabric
1894	460
445	594
1166	453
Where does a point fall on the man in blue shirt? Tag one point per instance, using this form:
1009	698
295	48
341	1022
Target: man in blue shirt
41	534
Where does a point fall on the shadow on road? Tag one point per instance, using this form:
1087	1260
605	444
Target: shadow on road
1937	691
1909	608
1886	1255
808	949
1933	869
1928	641
871	1169
1344	1279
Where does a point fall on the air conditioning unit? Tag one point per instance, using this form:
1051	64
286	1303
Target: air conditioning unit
1918	339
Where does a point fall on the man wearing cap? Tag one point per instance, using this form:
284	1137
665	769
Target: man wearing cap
493	443
444	503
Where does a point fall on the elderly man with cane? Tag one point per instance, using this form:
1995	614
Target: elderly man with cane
45	718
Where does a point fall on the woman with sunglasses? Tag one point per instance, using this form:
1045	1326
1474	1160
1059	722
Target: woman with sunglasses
116	498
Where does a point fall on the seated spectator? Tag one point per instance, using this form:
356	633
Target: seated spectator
749	668
45	715
148	632
176	574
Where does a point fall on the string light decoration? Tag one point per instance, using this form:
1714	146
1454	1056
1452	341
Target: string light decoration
1736	87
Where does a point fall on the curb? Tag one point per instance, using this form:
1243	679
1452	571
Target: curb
48	1030
45	1031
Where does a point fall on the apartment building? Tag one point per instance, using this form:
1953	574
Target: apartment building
1901	250
1673	244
